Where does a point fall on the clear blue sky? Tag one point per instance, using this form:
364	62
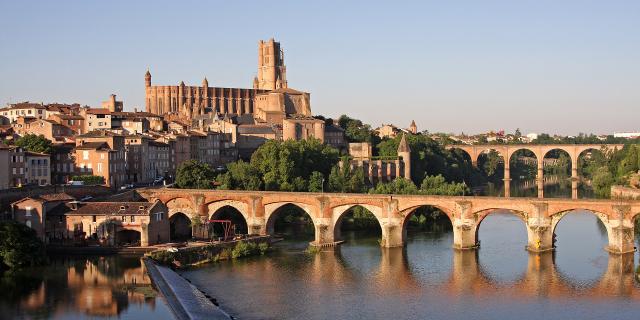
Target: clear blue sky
543	66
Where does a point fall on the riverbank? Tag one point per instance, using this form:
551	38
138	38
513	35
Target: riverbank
211	252
184	299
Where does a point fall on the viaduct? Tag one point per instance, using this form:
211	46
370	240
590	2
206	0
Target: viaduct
540	151
260	209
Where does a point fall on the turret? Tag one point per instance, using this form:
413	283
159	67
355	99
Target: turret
413	128
147	79
405	153
205	83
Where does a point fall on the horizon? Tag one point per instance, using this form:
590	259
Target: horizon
468	67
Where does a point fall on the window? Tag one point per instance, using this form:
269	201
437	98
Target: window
93	218
27	212
85	155
132	218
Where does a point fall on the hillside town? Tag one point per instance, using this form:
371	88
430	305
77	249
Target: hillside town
105	147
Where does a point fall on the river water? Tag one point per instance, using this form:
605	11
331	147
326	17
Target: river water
430	280
82	287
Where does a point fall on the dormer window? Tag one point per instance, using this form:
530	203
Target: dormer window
122	207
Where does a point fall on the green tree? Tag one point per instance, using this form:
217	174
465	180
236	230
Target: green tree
602	181
345	180
19	246
240	176
316	180
437	185
35	143
397	186
194	174
356	131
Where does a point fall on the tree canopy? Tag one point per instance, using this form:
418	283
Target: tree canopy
283	165
35	143
19	246
194	174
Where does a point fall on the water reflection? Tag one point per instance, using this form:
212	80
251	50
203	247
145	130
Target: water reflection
79	287
428	279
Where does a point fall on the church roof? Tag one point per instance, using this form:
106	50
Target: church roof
413	123
403	146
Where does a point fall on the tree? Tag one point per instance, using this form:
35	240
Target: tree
240	176
19	246
397	186
194	174
518	134
356	131
345	179
35	143
437	185
316	181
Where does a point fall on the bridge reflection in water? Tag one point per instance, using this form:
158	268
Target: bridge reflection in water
426	279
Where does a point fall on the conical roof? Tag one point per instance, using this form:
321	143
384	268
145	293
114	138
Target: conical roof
403	146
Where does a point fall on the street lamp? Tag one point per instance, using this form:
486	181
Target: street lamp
322	185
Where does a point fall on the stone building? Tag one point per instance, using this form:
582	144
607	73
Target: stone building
102	153
110	223
33	211
37	168
380	169
5	166
270	102
50	129
112	104
24	109
63	162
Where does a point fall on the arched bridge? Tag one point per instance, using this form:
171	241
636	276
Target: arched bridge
540	151
326	210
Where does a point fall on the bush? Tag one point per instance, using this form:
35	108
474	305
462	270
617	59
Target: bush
89	179
243	249
263	247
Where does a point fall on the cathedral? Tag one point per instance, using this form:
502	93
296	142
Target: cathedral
270	102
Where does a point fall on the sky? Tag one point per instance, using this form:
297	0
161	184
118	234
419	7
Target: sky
562	67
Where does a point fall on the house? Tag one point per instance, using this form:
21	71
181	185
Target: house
111	223
33	211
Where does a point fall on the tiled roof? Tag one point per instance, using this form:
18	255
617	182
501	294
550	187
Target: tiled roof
98	111
103	208
56	197
255	129
93	146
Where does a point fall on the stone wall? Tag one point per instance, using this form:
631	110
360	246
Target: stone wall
621	192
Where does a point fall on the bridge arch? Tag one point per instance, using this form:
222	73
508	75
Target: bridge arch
180	227
339	212
407	213
273	210
181	205
241	207
556	217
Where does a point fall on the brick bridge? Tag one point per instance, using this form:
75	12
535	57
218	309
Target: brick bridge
326	210
540	151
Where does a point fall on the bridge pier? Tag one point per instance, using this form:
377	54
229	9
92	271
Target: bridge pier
620	229
621	240
392	235
540	178
507	180
539	229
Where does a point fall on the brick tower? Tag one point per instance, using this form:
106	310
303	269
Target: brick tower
272	73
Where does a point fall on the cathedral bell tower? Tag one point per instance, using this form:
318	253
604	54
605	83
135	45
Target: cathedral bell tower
272	73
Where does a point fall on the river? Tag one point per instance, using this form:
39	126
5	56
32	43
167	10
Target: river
430	280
